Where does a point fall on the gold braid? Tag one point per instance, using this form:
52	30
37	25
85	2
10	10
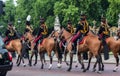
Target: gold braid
30	28
85	27
45	30
106	29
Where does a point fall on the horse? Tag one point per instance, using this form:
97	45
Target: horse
16	45
30	38
114	46
47	46
88	45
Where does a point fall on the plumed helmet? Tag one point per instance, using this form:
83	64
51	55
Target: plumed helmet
28	20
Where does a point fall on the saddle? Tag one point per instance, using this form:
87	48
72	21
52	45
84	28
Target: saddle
82	40
41	42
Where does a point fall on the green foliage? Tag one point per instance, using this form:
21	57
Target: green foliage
65	9
113	11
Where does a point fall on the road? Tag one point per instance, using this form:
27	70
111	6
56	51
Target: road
36	71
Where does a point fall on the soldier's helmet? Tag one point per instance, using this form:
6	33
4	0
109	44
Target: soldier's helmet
28	18
42	20
27	22
10	24
69	22
82	16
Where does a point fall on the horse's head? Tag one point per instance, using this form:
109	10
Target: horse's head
64	34
28	36
91	33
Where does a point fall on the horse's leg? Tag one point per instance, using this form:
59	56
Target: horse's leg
19	60
71	60
94	66
65	55
50	66
77	61
41	58
23	61
91	55
117	62
44	59
102	64
99	61
30	60
22	53
36	52
81	62
59	58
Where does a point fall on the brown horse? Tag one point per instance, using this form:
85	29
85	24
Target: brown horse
30	38
91	44
114	46
47	46
16	45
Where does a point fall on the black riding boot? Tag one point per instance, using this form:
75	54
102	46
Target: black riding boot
73	48
106	50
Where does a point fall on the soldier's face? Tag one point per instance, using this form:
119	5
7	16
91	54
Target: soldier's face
103	20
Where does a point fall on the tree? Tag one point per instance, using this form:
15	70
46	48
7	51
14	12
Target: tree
113	11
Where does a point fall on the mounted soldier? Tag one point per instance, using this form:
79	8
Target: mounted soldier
81	30
70	29
104	33
42	31
10	33
28	27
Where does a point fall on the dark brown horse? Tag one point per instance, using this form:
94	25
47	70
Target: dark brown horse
114	46
16	46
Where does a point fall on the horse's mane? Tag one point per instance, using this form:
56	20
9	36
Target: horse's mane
92	33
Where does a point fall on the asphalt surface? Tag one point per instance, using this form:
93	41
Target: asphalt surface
37	71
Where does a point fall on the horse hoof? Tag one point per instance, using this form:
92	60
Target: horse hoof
17	65
115	69
50	66
82	67
69	70
59	65
93	70
102	69
41	67
30	65
99	72
84	70
76	66
67	64
24	65
34	64
87	69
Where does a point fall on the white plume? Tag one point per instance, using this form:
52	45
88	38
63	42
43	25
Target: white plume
28	18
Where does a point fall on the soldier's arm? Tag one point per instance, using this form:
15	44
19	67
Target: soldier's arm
100	30
77	28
